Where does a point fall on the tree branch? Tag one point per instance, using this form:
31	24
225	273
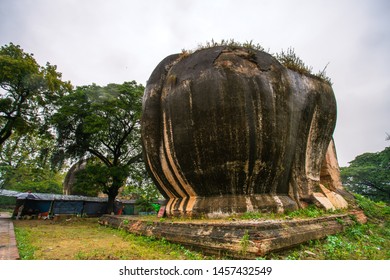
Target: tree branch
135	159
105	160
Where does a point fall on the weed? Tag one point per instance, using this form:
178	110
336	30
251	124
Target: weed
231	43
288	58
309	212
373	210
244	243
26	249
340	221
251	215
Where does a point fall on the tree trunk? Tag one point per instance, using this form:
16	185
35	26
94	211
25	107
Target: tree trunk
112	193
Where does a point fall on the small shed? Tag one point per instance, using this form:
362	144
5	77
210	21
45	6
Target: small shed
49	205
43	204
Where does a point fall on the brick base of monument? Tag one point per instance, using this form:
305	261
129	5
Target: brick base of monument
237	239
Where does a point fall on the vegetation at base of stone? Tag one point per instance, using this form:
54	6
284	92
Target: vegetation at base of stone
311	211
244	243
376	211
369	175
370	241
287	58
85	239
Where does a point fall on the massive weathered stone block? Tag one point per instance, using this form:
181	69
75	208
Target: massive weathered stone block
229	130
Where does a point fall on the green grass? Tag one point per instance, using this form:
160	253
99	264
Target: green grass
85	239
25	247
311	211
370	241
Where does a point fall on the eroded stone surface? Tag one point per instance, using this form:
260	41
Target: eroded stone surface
330	170
337	200
234	125
322	201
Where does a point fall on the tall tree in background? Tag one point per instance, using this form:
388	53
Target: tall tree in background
28	91
102	122
25	164
369	174
28	96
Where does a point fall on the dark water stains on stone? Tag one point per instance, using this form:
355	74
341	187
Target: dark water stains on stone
232	130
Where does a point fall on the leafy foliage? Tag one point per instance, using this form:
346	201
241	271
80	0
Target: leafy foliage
140	185
369	174
28	92
102	122
25	164
374	210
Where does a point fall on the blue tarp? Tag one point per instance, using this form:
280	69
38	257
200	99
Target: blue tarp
94	208
56	204
36	206
67	207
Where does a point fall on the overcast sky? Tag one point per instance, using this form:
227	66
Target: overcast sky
99	41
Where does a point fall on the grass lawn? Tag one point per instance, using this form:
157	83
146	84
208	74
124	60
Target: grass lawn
84	238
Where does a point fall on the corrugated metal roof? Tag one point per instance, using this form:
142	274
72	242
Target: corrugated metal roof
50	196
8	193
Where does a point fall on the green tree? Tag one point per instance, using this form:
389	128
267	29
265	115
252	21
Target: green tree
92	179
369	175
25	164
28	91
102	122
141	187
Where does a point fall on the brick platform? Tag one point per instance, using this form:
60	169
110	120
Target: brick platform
8	249
240	239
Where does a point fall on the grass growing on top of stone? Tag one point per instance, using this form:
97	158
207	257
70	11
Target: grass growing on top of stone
288	58
311	211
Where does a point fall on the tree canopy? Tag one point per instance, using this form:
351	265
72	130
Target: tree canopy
25	164
369	174
103	123
28	96
28	91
